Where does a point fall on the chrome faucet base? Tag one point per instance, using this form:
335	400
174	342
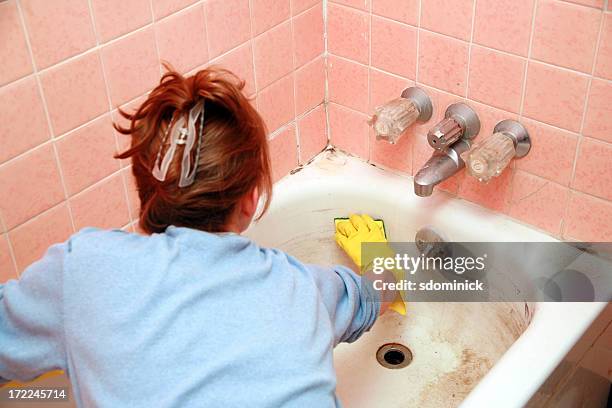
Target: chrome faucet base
421	100
518	134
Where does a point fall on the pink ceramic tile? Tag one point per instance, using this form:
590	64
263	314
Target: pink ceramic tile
308	35
385	87
598	122
494	195
348	83
313	133
359	4
132	193
552	153
421	152
14	52
31	240
240	62
590	3
348	33
181	39
406	11
29	185
496	79
67	86
131	65
450	17
268	13
298	6
555	96
162	8
538	202
124	141
283	153
394	47
348	130
504	24
489	117
603	65
86	155
588	218
104	205
58	30
594	168
565	34
310	85
273	55
117	17
276	103
443	62
397	157
7	268
15	100
222	36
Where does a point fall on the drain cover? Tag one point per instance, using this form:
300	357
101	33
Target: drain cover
394	356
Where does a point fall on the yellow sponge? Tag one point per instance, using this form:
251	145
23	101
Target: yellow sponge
380	223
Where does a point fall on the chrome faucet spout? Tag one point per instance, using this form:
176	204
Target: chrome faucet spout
440	166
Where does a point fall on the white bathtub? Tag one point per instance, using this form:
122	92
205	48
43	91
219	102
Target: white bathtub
468	354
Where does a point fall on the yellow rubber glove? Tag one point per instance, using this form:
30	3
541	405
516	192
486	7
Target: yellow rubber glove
351	233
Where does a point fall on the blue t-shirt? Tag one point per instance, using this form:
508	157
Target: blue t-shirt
181	319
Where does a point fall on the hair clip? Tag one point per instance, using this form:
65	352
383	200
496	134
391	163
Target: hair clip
181	134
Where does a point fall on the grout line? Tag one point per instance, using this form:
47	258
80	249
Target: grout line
297	128
295	120
206	31
252	40
93	23
531	35
12	254
326	70
418	45
467	79
369	96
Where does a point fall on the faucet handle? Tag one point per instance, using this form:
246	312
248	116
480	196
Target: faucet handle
460	121
489	158
392	119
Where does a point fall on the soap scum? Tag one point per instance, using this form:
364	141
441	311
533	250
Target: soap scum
190	313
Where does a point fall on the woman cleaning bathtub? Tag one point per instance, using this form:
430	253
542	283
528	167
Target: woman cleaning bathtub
191	314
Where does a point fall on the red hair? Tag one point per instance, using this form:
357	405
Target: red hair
233	159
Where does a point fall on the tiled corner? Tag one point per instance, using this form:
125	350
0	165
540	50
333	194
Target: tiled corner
283	152
552	153
538	201
269	13
594	168
496	79
603	64
348	83
598	121
394	47
555	96
276	103
504	25
29	185
313	133
15	99
450	17
348	33
117	17
7	267
181	39
67	85
565	34
348	130
308	41
309	85
103	205
273	55
163	8
443	62
52	42
14	52
222	36
405	11
131	65
588	218
93	143
31	240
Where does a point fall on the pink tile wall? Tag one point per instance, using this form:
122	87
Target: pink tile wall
57	173
547	63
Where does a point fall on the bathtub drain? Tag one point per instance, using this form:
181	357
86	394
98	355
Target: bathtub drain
394	355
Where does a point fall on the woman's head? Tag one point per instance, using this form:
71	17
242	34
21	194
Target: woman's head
233	166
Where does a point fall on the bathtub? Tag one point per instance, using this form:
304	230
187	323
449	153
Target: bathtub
464	354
